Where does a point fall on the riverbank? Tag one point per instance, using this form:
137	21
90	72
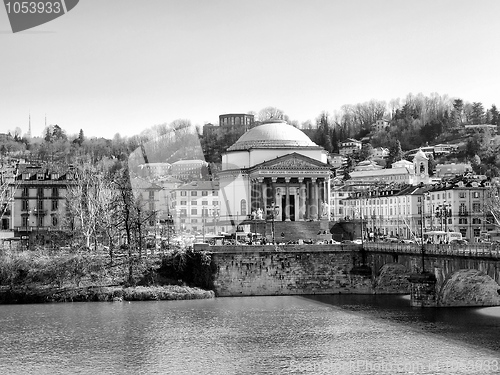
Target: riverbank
102	294
80	276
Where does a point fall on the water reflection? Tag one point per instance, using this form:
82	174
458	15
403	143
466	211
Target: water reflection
263	335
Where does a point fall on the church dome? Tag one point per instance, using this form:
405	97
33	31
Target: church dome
276	134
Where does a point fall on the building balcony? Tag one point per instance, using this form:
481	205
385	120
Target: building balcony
463	213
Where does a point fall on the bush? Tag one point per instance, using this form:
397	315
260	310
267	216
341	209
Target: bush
195	268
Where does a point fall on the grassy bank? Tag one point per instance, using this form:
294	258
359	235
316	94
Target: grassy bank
39	276
41	294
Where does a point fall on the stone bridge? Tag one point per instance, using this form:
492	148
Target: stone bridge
460	276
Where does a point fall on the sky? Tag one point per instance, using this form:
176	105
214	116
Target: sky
121	66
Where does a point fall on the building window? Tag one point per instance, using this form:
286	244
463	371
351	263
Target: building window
215	193
193	203
55	205
183	212
55	192
476	220
194	220
25	192
40	205
475	194
476	207
151	206
215	203
25	221
194	211
194	193
477	232
204	203
183	193
151	195
54	221
183	203
204	193
462	220
40	192
25	205
461	194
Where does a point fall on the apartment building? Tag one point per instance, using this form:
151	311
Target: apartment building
195	207
39	201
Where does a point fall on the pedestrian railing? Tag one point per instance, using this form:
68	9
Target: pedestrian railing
471	250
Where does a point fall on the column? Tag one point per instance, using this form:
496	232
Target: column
321	197
273	195
328	196
313	212
264	195
287	199
273	190
251	195
302	198
309	194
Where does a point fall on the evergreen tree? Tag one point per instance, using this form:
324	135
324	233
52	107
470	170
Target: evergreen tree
81	137
477	114
431	165
395	153
494	115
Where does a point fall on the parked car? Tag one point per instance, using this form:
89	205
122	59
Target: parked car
459	242
408	241
391	240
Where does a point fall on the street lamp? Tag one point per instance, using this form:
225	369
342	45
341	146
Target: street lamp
273	214
170	221
422	229
444	211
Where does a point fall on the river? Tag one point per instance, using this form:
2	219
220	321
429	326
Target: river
249	335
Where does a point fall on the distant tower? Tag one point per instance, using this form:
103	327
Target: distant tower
29	126
421	165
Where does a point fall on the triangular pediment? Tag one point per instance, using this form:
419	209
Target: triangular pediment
292	161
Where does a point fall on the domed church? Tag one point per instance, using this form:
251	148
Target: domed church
274	168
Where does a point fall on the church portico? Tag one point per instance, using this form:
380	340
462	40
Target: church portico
293	198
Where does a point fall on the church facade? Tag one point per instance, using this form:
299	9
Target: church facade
274	171
401	172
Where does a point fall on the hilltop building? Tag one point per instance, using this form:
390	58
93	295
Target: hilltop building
187	169
350	146
380	125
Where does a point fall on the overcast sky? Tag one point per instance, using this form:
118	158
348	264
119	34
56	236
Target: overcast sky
120	66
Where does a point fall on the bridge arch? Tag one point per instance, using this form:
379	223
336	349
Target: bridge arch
469	287
392	278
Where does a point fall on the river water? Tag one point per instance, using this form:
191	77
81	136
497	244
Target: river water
252	335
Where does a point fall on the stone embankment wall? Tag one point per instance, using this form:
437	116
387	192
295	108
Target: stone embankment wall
320	269
309	269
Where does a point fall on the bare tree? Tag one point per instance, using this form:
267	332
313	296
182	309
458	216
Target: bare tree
271	113
87	201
